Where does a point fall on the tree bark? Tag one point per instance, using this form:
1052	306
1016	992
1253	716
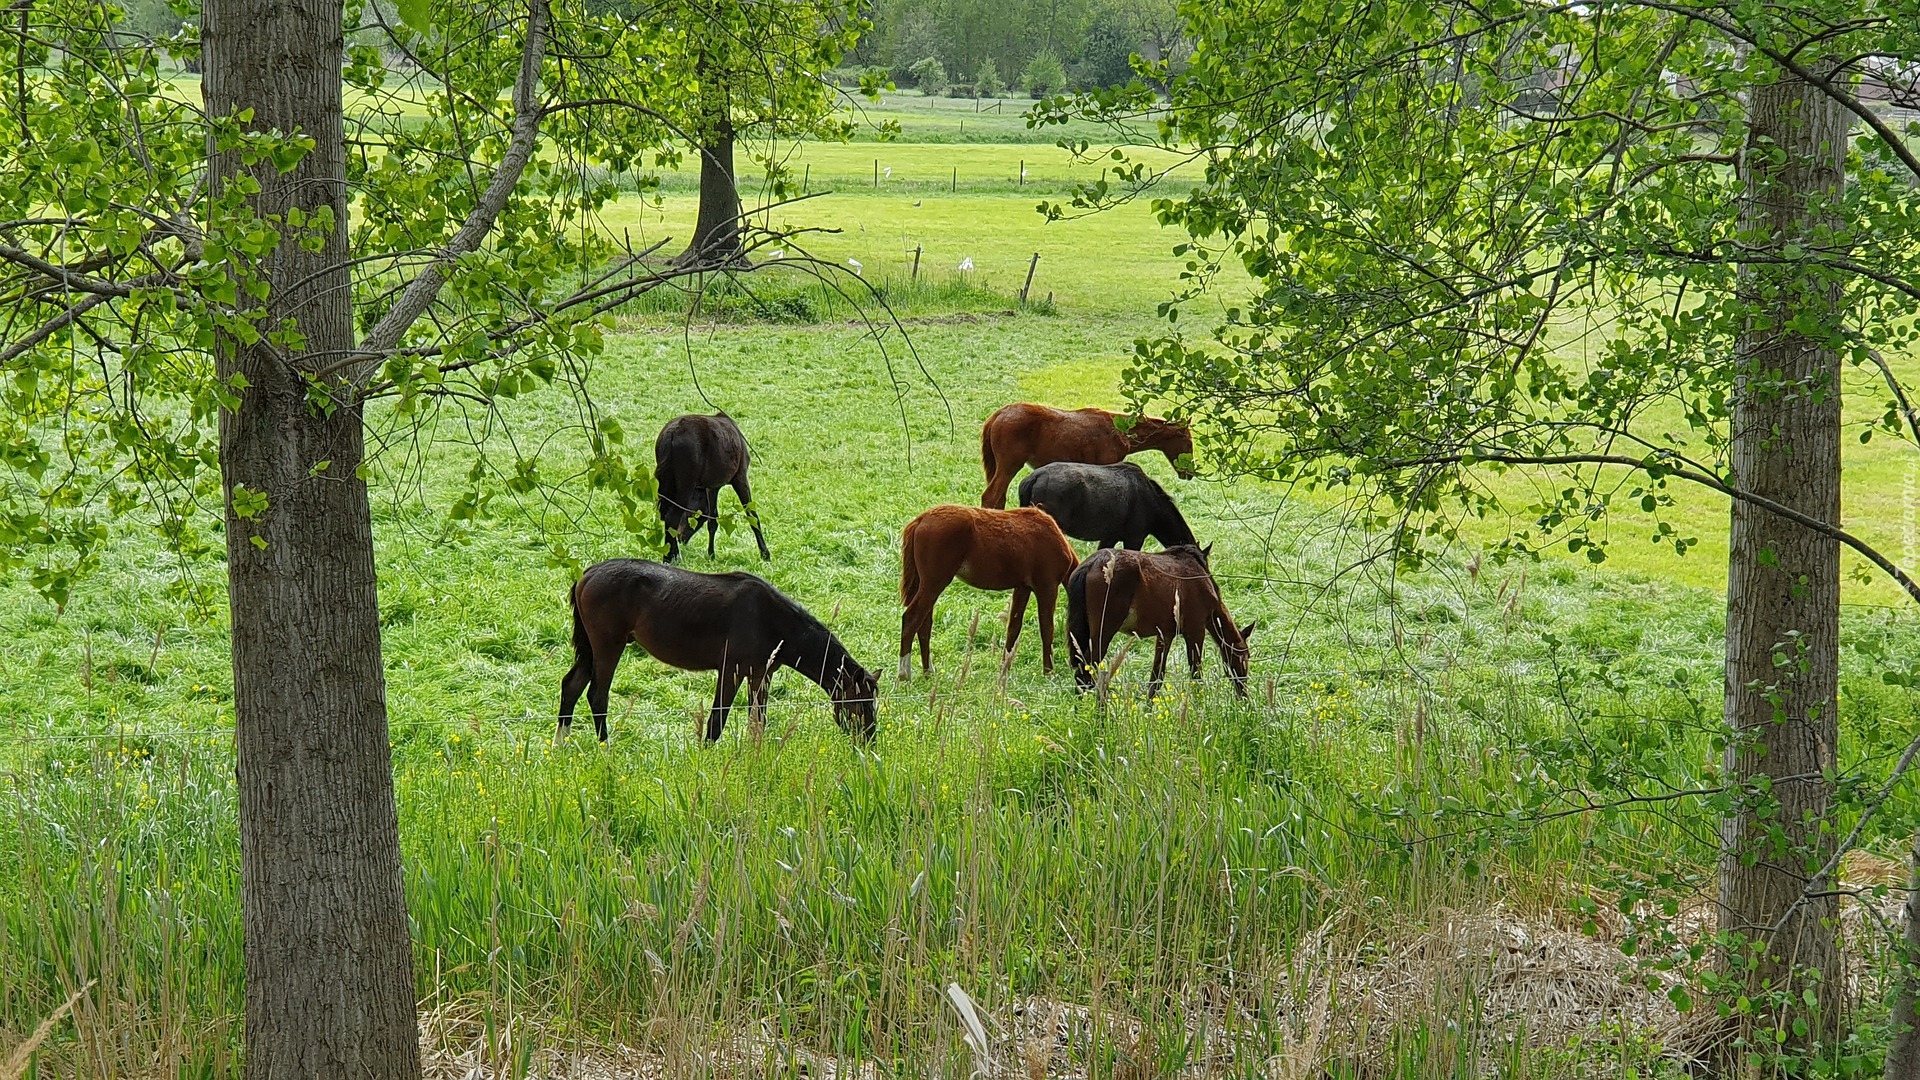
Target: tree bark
329	968
1783	586
716	234
1903	1020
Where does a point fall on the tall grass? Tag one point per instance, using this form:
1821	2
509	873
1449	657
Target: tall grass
1156	866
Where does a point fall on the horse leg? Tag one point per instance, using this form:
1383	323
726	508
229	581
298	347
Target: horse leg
711	508
1048	597
1017	614
918	621
723	693
606	657
995	497
570	689
741	489
757	705
1196	649
907	625
1162	645
673	533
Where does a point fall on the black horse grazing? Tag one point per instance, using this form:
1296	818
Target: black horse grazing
694	457
735	624
1108	504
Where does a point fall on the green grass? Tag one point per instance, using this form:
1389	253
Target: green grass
1179	864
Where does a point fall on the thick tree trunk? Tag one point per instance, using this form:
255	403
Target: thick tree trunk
1783	587
1903	1040
716	235
329	968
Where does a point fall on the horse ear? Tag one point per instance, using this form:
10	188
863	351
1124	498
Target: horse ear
1247	630
1206	553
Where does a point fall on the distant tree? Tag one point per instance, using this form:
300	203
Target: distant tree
917	37
1105	56
987	81
758	66
1045	74
930	75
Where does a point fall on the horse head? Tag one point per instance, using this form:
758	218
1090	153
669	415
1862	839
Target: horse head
855	692
1234	651
1172	438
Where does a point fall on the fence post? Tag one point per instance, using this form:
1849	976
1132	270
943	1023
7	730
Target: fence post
806	178
916	263
956	179
1023	173
876	173
1029	285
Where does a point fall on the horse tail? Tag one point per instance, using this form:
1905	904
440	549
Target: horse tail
1079	626
582	645
986	446
909	568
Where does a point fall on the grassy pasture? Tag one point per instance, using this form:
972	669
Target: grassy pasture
1186	877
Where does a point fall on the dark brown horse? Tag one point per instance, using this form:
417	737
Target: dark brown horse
1158	595
1036	435
694	457
1022	550
735	624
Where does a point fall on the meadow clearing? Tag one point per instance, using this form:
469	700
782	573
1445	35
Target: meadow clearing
1378	864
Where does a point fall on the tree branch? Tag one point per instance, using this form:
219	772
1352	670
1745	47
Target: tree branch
422	290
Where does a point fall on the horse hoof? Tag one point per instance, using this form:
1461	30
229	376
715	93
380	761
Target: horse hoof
906	670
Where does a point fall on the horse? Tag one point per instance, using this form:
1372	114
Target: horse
1022	550
1151	594
733	623
1108	504
1036	435
694	457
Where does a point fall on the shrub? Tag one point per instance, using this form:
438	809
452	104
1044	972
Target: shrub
930	75
1045	74
987	81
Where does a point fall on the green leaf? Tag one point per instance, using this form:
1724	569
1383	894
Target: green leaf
417	15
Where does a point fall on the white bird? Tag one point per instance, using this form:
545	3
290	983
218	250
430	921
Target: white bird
855	263
778	253
887	173
966	263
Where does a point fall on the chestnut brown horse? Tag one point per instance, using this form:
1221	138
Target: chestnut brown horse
1158	595
1022	550
1036	435
735	624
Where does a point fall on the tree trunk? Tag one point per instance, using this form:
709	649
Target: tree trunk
329	968
716	235
1783	585
1903	1039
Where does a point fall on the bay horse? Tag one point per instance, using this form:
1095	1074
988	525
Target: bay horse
693	458
1108	504
1022	550
1158	595
733	623
1025	434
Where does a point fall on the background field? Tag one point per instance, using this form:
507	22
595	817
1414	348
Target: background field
1180	880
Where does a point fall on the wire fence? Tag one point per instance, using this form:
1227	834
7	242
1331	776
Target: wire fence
980	685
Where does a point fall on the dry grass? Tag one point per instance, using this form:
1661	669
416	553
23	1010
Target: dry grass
1349	1002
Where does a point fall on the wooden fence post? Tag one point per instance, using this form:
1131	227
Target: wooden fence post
1029	285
